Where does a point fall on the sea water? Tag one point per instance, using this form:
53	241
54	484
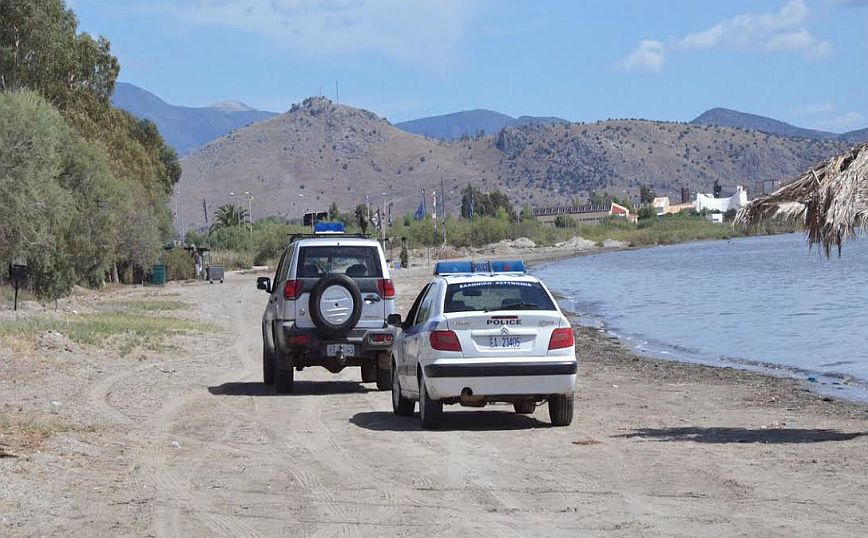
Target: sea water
766	303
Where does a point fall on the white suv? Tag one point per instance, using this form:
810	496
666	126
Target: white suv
479	333
328	305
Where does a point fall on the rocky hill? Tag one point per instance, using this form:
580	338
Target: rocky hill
320	152
186	128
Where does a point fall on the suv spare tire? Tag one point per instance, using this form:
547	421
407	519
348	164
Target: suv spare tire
335	305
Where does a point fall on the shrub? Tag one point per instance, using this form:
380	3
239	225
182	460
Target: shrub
179	265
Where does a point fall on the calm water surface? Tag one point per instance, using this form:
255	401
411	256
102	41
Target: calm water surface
762	303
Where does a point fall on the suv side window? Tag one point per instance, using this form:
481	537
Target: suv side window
425	307
279	270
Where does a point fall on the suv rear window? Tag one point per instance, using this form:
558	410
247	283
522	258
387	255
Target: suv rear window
496	295
355	262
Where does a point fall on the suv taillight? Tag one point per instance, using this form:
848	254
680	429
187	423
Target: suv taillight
386	287
562	338
445	341
292	289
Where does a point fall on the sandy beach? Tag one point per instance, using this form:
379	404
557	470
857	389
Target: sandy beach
183	440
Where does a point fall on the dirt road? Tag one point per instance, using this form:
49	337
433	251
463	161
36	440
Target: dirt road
187	442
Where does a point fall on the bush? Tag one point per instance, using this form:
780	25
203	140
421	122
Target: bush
179	265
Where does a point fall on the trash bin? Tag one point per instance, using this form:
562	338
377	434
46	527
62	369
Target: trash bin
158	274
214	272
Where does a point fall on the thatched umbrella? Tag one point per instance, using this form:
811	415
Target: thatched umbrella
830	200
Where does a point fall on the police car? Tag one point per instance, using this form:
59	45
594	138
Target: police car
483	332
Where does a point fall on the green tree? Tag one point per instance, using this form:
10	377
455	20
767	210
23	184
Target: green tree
361	213
646	194
229	216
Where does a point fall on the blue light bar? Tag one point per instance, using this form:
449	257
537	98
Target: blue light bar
468	267
328	228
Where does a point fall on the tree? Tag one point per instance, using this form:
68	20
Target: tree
362	217
526	213
229	216
646	194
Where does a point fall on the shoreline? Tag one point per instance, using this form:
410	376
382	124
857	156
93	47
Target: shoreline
823	388
823	385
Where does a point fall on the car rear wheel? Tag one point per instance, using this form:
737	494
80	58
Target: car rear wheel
430	411
561	409
525	408
401	406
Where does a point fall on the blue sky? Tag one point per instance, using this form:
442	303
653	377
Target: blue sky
802	61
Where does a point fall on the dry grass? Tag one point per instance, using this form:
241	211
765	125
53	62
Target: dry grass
119	331
28	434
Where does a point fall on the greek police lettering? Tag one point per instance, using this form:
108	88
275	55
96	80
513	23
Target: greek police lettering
504	322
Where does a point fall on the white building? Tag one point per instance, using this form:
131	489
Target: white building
721	205
661	205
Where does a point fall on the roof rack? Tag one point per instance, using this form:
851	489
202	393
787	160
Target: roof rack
471	267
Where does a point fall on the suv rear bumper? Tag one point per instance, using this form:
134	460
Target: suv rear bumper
307	347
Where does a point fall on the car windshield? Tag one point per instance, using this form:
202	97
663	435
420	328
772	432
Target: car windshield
496	295
353	261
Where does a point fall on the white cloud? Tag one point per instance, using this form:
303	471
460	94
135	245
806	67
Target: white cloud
648	57
424	32
843	122
780	31
816	109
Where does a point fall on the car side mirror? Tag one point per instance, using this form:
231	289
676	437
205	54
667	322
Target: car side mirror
263	283
394	320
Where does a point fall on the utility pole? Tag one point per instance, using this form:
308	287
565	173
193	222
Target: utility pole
443	201
205	209
337	93
250	211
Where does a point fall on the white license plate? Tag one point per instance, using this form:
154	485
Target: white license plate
347	350
504	342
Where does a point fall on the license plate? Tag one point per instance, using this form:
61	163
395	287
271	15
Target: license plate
504	342
347	350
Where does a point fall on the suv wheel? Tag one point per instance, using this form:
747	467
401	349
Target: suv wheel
329	301
561	409
284	380
267	366
430	411
384	379
401	406
369	372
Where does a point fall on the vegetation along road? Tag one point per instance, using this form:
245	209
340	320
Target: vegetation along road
176	436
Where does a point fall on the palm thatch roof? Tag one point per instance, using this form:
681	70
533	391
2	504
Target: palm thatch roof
830	200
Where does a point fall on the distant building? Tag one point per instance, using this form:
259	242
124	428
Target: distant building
663	206
589	214
708	202
660	205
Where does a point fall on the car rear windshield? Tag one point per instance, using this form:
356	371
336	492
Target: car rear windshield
353	261
496	295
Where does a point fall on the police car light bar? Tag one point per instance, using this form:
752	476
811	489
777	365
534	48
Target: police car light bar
328	228
468	267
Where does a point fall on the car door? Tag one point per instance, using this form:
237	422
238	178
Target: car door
404	360
416	336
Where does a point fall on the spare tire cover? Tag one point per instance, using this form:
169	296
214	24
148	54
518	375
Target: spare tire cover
335	305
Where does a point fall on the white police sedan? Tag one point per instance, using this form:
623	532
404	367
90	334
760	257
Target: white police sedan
483	332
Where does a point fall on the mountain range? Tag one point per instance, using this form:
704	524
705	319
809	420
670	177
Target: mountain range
725	117
469	123
186	128
320	152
